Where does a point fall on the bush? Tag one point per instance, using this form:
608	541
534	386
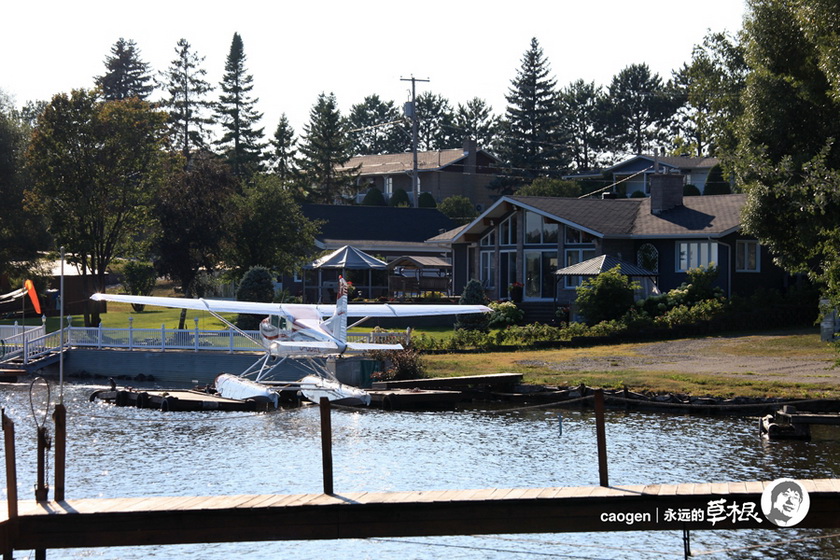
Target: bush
426	200
505	314
400	198
691	190
400	364
373	197
473	294
606	297
139	280
256	285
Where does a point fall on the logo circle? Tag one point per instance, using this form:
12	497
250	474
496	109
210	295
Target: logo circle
785	502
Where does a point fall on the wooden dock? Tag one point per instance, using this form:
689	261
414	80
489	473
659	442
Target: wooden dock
138	521
492	381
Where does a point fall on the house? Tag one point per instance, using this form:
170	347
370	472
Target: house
633	175
443	173
526	239
382	231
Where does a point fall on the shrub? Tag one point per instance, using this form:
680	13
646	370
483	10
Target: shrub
691	190
505	314
606	296
373	197
256	285
400	198
139	280
473	294
400	364
426	200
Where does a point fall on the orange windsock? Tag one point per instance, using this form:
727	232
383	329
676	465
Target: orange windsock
33	295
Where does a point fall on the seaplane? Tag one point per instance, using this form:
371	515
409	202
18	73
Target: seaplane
300	331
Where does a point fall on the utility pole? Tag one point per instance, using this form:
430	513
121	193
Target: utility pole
410	110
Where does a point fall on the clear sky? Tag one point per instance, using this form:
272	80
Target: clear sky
296	50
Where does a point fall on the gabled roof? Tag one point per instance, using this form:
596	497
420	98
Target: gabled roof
377	223
625	218
386	164
603	263
420	262
639	162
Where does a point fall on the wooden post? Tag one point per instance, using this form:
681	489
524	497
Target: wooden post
60	419
11	476
326	445
602	437
41	487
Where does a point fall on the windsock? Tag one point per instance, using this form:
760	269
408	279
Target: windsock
33	295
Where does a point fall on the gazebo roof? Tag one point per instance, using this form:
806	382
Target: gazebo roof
350	258
594	267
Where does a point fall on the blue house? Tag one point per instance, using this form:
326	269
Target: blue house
524	240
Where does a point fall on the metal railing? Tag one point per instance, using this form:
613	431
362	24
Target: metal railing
35	342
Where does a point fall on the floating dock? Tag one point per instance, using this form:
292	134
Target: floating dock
137	521
174	400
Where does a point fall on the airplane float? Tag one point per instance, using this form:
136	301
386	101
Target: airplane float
299	331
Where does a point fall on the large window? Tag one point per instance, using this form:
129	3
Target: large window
747	256
539	229
507	271
693	254
539	274
488	269
573	257
508	231
578	237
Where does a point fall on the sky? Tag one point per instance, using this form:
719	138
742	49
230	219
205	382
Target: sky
297	50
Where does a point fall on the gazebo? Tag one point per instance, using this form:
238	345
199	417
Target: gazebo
603	263
352	264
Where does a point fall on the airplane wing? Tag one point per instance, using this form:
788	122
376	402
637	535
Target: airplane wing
260	308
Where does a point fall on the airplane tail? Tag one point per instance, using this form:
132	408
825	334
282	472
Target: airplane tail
337	324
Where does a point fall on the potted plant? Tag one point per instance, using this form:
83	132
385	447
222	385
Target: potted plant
515	292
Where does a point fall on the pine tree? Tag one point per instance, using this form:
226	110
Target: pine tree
476	120
324	149
282	158
127	75
531	143
184	81
435	123
242	141
371	132
581	108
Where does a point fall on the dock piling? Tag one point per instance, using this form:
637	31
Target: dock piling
600	432
60	419
326	445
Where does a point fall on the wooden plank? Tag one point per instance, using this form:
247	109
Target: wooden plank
668	490
720	488
685	489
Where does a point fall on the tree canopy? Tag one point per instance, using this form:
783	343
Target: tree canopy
96	167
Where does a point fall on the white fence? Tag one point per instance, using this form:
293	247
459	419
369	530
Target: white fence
34	342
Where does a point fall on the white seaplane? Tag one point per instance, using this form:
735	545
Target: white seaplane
299	331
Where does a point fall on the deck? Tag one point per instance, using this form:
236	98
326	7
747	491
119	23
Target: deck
93	523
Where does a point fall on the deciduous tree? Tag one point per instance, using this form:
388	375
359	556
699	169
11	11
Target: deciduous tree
95	169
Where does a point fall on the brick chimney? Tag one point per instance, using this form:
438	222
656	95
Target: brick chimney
666	191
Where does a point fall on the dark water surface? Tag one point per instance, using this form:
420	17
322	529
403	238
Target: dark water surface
123	452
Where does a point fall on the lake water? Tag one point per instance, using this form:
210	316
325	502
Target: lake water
122	452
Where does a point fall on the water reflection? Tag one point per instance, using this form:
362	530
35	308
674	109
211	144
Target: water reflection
130	452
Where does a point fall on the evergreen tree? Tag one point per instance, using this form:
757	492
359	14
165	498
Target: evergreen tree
531	144
187	88
282	158
473	294
435	128
374	197
581	110
127	75
236	111
376	127
324	149
639	109
256	285
476	120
